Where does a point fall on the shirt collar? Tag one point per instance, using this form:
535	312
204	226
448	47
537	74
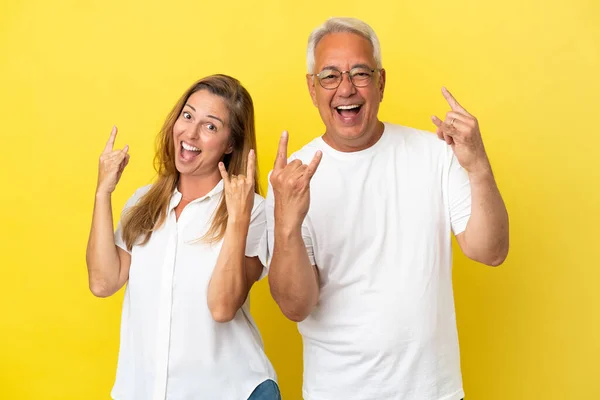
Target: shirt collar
176	197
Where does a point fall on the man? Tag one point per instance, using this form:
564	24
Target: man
359	226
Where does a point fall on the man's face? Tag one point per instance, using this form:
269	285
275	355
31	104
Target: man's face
348	112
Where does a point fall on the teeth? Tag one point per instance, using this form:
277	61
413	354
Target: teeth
188	147
350	107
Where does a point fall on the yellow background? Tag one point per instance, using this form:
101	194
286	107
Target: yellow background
529	70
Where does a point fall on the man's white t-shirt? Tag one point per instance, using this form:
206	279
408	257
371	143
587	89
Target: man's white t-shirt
379	230
171	348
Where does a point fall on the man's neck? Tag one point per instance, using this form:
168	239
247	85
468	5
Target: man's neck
357	144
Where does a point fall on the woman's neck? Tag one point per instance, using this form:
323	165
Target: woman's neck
192	187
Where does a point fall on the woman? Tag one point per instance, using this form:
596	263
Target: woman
190	246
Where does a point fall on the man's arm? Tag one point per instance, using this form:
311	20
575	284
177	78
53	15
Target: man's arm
293	280
486	236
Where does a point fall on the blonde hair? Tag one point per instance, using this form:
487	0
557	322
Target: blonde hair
338	25
151	210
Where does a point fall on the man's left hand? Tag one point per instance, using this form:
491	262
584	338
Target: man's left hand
461	131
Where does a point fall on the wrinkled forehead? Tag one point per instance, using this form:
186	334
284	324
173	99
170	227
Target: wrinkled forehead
343	51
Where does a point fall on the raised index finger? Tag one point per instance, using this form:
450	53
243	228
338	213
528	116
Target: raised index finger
251	167
454	105
281	159
111	140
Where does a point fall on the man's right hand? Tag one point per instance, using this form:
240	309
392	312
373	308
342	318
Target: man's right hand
111	166
291	186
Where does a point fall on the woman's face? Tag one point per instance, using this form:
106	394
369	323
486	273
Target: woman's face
201	134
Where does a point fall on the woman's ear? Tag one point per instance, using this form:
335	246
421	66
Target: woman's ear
230	147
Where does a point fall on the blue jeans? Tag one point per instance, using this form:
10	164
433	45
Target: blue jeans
268	390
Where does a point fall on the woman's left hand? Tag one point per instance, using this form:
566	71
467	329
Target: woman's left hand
239	191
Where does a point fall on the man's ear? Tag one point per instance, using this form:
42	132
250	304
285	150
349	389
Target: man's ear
311	81
381	83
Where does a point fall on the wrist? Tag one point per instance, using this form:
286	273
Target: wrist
238	221
287	221
103	194
286	229
482	173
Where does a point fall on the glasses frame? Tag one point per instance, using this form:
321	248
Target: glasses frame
342	77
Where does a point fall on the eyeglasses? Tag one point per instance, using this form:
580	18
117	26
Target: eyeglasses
332	78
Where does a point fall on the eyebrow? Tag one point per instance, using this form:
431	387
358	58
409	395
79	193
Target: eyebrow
208	116
354	66
217	118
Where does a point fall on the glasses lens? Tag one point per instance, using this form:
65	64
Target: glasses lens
361	76
329	78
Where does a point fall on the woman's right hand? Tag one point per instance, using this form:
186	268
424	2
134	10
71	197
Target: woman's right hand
111	166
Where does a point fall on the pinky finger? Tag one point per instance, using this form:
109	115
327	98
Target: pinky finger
224	173
436	121
448	139
439	133
314	164
124	163
439	125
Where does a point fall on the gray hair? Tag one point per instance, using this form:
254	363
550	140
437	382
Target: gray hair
338	25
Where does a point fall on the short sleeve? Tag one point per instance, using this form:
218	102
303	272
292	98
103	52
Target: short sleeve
270	215
130	203
256	242
459	195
